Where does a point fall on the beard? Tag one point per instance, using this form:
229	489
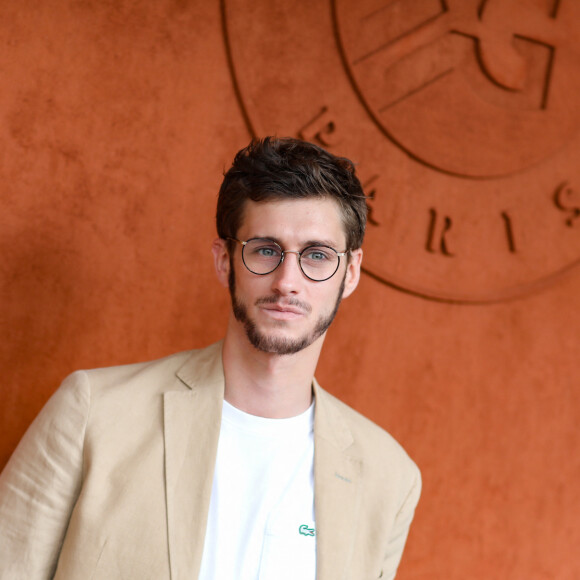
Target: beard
274	344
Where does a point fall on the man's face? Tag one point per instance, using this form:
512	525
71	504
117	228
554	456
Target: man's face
284	312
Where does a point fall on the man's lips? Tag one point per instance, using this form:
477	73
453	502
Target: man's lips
288	309
282	312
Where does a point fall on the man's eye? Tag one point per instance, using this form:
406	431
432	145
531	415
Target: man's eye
267	252
316	255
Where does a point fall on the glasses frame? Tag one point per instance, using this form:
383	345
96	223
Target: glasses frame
283	253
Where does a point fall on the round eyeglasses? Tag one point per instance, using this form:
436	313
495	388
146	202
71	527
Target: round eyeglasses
262	256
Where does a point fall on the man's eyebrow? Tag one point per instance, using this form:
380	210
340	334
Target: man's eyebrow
265	237
306	244
329	243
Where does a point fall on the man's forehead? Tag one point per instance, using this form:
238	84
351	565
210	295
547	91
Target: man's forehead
306	207
307	219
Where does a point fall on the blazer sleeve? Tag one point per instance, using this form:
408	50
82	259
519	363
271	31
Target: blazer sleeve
401	529
41	482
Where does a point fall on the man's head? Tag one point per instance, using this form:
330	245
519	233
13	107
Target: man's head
285	168
291	219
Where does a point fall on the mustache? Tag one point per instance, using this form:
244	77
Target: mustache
305	307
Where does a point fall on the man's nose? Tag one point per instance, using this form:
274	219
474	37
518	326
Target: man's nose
288	275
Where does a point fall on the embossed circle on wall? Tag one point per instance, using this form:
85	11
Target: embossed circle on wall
462	117
464	91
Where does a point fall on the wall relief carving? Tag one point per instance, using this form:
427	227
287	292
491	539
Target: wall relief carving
463	117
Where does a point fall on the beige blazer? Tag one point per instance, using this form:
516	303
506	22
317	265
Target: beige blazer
113	480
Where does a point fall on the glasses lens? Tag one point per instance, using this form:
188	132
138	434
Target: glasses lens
261	256
319	262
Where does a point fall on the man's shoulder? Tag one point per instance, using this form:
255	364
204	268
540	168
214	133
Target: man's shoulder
369	440
159	373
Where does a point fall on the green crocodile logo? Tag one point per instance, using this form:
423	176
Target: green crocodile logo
306	531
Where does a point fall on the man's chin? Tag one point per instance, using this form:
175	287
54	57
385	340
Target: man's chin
278	345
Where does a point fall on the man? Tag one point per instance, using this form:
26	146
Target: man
228	462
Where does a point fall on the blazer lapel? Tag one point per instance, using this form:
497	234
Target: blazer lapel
191	424
337	489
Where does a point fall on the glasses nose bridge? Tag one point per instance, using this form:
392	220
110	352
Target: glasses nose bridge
298	256
284	252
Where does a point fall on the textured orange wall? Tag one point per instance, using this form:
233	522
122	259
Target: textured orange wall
116	121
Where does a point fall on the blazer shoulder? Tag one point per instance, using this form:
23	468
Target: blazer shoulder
159	375
374	444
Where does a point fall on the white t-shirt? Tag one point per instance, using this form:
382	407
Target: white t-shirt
261	514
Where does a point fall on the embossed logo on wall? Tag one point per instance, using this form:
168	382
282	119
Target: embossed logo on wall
463	116
482	77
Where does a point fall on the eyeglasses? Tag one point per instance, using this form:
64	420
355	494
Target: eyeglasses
262	256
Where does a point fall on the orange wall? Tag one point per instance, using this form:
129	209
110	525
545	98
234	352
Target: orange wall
116	122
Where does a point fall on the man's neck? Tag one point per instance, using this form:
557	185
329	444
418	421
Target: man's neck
265	384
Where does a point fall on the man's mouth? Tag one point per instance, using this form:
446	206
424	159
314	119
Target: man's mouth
283	309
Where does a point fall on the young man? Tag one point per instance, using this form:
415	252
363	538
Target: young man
228	462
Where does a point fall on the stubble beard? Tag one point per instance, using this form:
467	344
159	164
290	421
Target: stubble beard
274	344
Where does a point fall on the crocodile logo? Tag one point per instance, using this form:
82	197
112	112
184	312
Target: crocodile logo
304	530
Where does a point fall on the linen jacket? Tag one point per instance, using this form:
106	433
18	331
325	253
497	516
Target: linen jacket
113	479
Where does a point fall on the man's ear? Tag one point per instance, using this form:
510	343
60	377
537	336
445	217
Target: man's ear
221	259
352	272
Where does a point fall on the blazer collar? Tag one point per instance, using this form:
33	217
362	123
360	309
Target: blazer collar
192	420
337	488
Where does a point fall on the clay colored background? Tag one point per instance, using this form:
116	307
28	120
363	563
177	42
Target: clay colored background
117	119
